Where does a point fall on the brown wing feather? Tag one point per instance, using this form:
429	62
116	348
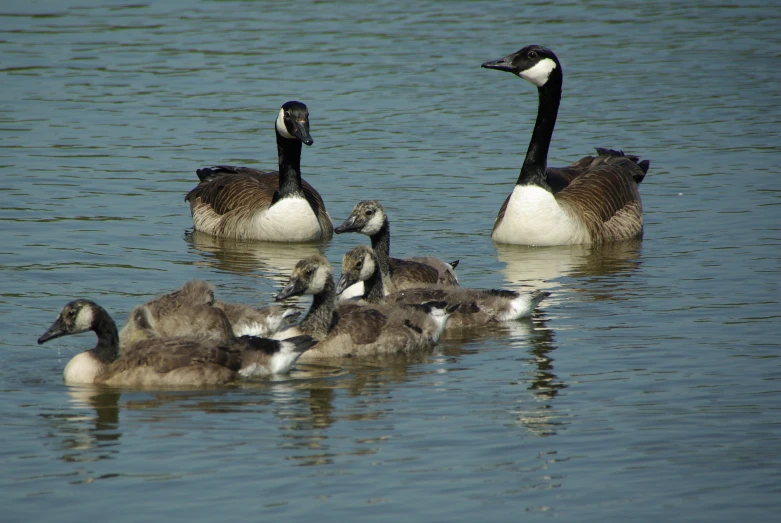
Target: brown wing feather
607	198
408	273
243	191
363	325
228	191
166	355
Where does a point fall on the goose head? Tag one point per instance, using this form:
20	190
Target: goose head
310	276
537	64
293	122
358	265
76	317
367	217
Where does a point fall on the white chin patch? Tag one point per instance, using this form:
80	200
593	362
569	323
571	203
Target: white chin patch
368	268
318	280
539	74
281	129
84	319
374	225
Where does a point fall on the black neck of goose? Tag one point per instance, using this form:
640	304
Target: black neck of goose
107	349
381	246
317	321
289	151
373	288
535	163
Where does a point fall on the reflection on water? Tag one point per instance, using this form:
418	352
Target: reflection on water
273	260
89	430
540	266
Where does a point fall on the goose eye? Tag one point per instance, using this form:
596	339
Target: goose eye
287	114
532	54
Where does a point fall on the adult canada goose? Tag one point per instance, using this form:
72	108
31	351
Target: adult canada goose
249	204
350	329
165	362
193	312
594	200
368	217
476	306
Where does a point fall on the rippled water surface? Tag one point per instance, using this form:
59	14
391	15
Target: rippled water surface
648	386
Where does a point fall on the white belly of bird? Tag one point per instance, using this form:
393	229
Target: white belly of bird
534	217
288	220
83	368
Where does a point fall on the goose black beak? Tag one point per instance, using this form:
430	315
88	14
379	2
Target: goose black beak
502	64
293	288
301	131
55	331
348	226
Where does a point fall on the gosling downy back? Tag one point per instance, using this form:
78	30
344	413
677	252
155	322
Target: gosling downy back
475	307
351	329
188	312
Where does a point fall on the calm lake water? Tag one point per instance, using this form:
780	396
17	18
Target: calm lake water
647	387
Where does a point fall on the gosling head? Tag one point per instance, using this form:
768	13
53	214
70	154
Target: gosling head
367	217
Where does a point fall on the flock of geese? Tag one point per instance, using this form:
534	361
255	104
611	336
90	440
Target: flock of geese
380	304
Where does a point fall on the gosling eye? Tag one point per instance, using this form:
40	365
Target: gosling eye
72	313
369	212
359	265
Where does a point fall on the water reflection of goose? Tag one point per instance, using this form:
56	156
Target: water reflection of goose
272	260
541	266
88	427
538	414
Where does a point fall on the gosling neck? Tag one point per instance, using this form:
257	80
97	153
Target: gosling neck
381	246
318	320
107	349
373	288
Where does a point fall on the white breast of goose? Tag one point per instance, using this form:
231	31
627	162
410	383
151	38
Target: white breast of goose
534	217
83	368
288	220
